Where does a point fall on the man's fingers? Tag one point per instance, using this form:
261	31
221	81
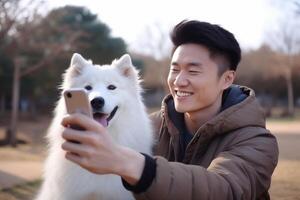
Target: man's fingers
74	158
83	121
77	136
78	149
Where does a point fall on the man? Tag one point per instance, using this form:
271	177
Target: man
211	137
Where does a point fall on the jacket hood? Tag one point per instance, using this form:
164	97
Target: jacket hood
240	108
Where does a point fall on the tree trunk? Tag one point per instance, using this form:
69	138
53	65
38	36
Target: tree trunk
11	135
290	92
2	104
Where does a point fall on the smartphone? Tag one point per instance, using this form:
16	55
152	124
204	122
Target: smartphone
77	101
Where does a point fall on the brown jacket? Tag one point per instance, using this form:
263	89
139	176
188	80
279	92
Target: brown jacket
232	156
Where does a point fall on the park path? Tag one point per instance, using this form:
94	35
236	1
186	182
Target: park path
19	172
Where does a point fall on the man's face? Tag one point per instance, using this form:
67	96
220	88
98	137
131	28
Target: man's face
193	79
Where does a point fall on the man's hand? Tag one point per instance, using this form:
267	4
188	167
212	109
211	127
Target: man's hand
95	150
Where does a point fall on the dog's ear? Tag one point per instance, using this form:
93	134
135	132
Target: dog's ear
77	64
125	65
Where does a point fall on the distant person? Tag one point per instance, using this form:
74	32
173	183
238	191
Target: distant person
211	137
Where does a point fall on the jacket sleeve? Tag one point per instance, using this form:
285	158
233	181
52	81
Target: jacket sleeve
243	171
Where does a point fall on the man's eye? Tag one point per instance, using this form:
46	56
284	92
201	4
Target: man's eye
174	70
111	87
88	87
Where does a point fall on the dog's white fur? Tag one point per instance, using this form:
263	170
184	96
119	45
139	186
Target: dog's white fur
64	180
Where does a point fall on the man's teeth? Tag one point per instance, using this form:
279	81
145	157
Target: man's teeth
183	94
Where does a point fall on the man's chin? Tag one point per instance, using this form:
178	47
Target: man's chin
181	109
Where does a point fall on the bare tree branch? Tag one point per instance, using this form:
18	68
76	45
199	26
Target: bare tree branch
297	5
54	52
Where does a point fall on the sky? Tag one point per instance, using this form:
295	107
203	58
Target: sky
248	20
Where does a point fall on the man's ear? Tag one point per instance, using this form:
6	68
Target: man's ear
124	64
76	65
228	78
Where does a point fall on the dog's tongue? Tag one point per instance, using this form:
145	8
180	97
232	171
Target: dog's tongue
102	119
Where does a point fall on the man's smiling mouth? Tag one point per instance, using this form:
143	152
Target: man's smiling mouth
183	93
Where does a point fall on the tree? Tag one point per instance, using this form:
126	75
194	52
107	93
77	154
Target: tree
155	42
259	70
286	42
9	13
61	32
24	44
97	43
9	18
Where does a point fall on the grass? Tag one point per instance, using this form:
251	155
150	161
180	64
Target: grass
24	152
286	181
21	192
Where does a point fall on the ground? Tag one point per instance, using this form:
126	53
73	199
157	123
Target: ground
286	178
21	167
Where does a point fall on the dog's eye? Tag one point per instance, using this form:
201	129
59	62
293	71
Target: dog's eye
88	87
111	87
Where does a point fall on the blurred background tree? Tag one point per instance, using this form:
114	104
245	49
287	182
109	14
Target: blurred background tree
273	69
38	49
97	43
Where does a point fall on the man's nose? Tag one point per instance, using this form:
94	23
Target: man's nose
181	79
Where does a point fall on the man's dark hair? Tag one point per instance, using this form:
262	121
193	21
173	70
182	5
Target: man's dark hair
220	42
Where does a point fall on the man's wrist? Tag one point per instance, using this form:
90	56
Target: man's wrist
131	166
147	177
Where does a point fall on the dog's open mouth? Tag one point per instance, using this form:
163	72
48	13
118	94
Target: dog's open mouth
104	118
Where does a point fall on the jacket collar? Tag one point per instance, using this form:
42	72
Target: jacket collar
239	109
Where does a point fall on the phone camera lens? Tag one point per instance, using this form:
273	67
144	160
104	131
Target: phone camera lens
69	95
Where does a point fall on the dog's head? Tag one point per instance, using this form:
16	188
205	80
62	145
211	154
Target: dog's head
110	88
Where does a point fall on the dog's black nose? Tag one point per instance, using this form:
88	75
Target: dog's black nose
97	103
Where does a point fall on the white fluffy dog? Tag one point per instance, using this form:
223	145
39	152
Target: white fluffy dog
123	113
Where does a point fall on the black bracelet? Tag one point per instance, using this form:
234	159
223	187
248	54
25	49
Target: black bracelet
147	177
